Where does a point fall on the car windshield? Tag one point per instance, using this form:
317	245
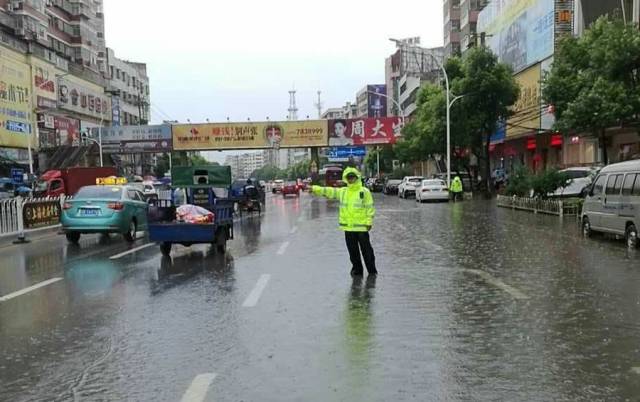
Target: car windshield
99	193
415	179
577	174
433	183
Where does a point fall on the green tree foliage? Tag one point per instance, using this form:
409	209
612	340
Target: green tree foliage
522	182
489	91
593	83
387	155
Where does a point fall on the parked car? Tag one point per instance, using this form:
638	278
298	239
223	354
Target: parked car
105	209
277	186
613	202
432	190
581	179
375	185
290	188
408	186
391	186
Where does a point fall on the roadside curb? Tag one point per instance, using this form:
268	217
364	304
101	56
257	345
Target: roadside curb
31	235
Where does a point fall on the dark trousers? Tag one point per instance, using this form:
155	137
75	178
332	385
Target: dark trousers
356	242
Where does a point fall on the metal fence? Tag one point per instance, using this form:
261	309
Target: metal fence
538	205
18	214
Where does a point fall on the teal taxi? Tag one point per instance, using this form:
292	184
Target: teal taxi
108	207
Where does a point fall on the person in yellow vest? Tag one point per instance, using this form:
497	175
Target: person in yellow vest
355	219
456	188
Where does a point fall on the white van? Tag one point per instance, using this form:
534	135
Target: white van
613	203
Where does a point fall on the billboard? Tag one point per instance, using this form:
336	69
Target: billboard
16	118
526	110
250	135
44	84
84	98
376	100
135	139
520	32
367	131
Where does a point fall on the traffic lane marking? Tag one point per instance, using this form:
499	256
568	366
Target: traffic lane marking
283	248
199	387
29	289
255	294
517	294
293	230
131	251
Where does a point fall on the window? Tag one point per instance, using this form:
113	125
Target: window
627	187
614	184
133	195
636	186
598	187
56	184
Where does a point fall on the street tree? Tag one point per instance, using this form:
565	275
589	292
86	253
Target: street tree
488	89
593	83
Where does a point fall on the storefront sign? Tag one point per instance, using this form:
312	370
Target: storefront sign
15	103
346	152
46	103
42	213
137	147
369	131
86	99
526	117
556	140
290	134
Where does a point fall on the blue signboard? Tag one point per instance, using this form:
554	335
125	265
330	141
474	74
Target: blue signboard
17	175
346	152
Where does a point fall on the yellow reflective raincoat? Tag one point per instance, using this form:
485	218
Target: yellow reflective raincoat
456	185
356	203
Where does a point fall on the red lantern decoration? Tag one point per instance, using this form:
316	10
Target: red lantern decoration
556	140
531	144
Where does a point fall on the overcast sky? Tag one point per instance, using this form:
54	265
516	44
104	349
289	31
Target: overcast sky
239	58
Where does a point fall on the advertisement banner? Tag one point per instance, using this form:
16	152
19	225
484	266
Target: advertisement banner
41	213
15	103
526	117
367	131
68	130
250	135
377	101
44	83
115	135
84	98
520	32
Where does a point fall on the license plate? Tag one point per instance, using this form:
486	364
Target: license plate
89	212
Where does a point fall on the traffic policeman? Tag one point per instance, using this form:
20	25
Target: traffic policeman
355	219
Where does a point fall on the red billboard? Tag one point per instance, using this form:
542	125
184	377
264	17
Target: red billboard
365	131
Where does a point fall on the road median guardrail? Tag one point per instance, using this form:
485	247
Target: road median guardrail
18	215
556	207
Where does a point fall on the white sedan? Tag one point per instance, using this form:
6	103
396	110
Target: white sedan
432	190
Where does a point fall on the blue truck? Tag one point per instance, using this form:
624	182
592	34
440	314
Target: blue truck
199	183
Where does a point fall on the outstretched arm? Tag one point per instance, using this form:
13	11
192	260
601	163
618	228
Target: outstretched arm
327	192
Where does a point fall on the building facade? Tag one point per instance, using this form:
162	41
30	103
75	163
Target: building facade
130	80
469	10
242	166
55	51
406	70
333	113
451	17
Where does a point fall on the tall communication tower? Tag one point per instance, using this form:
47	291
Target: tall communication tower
293	109
319	105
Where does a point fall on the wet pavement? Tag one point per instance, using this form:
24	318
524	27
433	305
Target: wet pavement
473	303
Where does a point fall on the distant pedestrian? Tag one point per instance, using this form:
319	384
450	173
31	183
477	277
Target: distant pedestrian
355	219
456	189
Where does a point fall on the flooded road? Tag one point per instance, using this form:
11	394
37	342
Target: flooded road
473	303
